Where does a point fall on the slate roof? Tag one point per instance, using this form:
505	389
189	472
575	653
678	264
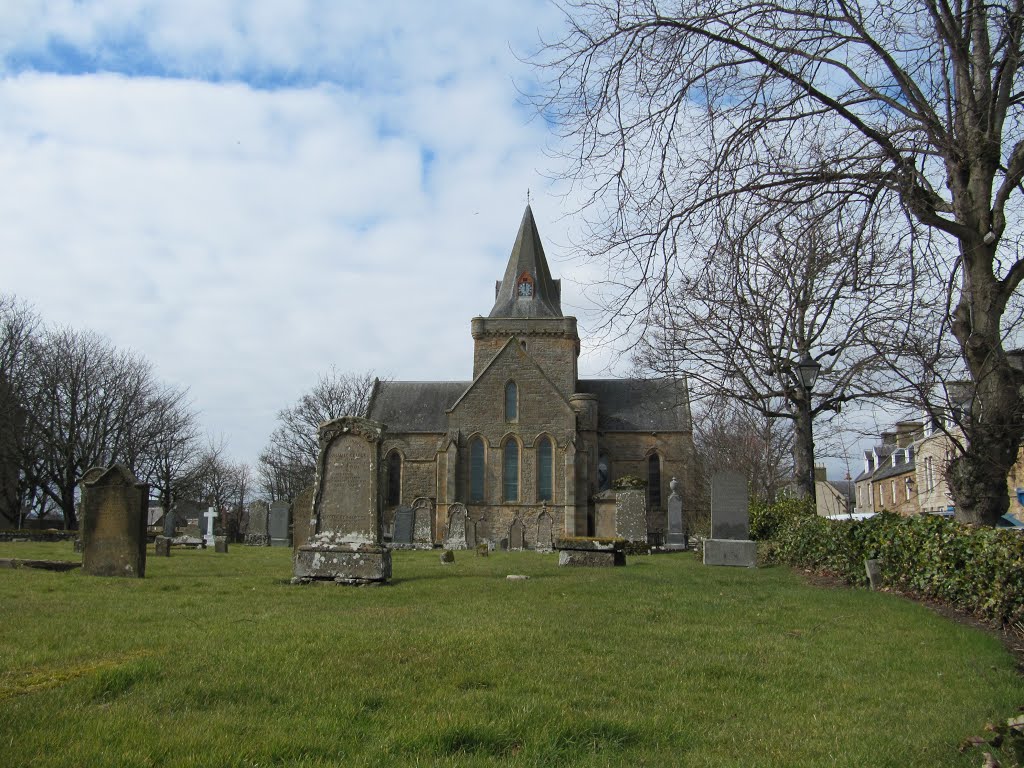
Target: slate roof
887	470
639	405
414	406
528	256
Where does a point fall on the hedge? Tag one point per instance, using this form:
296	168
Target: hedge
974	568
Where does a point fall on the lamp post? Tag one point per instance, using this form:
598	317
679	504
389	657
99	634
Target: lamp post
807	370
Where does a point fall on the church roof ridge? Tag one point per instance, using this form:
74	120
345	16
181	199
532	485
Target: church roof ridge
527	288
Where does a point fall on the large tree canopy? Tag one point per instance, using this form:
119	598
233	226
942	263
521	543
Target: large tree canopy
680	113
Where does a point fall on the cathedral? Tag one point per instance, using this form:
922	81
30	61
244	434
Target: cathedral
526	436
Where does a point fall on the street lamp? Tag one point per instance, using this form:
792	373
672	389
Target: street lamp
808	369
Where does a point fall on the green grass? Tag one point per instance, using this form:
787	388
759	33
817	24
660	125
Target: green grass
215	660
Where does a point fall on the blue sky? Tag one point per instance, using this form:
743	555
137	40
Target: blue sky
248	193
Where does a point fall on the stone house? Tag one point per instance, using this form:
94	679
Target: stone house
889	480
525	436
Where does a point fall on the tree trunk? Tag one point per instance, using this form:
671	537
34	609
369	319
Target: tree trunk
803	446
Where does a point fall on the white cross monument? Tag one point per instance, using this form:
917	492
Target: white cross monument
210	515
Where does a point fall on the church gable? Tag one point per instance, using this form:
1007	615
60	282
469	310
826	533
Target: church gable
513	395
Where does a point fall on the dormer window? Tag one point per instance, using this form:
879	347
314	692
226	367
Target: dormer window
524	286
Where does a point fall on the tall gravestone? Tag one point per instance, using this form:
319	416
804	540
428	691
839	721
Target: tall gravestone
730	542
405	521
257	532
347	547
423	530
209	517
303	521
455	535
280	523
631	515
676	534
114	507
516	534
170	518
545	526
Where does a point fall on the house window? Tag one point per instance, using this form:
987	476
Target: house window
654	482
511	401
545	456
394	479
892	489
476	470
510	478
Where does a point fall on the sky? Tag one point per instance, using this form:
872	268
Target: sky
251	192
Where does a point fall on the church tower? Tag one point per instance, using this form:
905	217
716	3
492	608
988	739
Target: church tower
528	306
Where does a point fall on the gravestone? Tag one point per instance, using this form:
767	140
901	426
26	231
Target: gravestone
423	531
192	529
162	546
631	515
405	520
169	519
280	521
545	531
220	544
210	515
516	533
471	529
455	534
114	509
676	534
257	533
303	521
347	547
730	542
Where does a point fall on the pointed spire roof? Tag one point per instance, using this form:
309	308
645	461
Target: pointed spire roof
527	289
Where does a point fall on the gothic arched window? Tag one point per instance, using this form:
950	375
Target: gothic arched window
545	470
476	470
511	401
394	497
510	474
654	482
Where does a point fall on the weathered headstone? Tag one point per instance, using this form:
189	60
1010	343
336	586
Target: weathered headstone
730	542
545	533
516	534
169	519
631	515
405	520
210	515
471	531
257	533
114	508
280	523
873	568
220	544
193	529
455	535
347	547
676	534
423	533
303	519
162	546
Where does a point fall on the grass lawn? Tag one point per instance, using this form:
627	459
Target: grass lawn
215	660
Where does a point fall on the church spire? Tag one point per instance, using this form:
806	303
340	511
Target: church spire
527	289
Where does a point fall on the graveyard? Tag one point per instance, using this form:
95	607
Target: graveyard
217	659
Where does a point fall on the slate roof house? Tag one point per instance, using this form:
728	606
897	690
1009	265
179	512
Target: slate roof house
525	435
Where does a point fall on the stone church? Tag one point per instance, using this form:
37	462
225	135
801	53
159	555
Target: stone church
526	436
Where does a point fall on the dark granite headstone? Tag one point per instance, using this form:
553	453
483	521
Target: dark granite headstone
471	527
346	547
114	511
730	542
280	523
405	520
516	534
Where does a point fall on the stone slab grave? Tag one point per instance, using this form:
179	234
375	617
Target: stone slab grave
113	524
280	524
303	521
346	547
405	522
423	529
730	542
456	532
676	534
516	534
591	553
257	532
545	531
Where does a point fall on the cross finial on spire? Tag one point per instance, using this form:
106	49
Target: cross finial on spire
527	195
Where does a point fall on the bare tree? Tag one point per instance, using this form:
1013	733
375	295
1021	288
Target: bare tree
774	285
19	328
675	111
288	463
168	447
